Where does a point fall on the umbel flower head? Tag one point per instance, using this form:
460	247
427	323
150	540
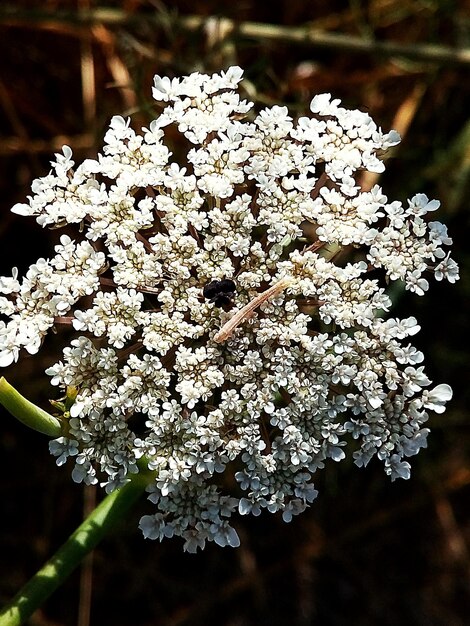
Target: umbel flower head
222	337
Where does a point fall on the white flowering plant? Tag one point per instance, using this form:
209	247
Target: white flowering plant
229	306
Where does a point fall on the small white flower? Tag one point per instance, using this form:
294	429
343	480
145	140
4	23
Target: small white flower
63	448
420	204
436	398
447	269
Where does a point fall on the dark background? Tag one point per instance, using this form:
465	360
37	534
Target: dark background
368	551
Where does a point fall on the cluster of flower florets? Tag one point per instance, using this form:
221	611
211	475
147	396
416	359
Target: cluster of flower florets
229	416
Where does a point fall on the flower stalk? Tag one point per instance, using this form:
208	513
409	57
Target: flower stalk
28	413
36	591
84	539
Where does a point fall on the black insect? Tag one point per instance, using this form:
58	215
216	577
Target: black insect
220	292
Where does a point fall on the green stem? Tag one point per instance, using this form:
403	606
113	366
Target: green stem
27	412
70	554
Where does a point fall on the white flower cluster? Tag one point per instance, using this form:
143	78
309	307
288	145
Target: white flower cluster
232	399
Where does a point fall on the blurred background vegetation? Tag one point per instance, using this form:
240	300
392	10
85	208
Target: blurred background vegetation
368	551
